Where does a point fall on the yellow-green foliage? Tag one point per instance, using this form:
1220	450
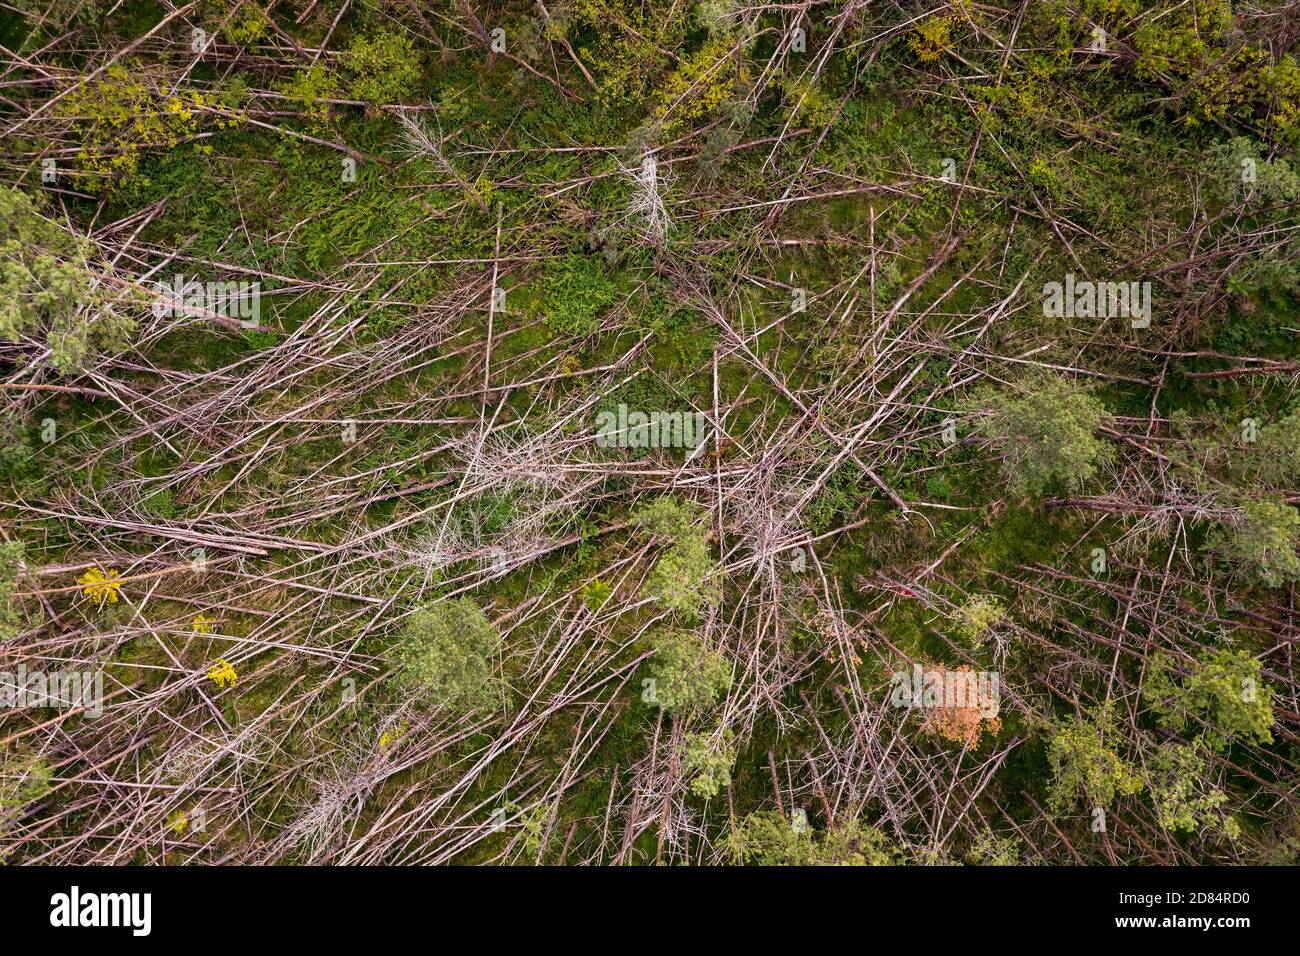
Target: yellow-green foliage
1280	84
1222	700
710	757
1213	75
1183	800
687	675
931	37
1023	96
1084	765
973	619
248	25
766	838
117	117
703	81
989	849
46	287
624	53
809	106
309	89
382	68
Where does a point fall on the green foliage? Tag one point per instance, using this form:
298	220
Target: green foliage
710	757
702	82
685	578
988	849
11	565
309	89
670	517
448	651
1259	195
61	14
678	581
366	281
1277	451
1046	433
381	68
46	287
931	37
1224	698
1082	764
1262	542
24	779
532	824
842	494
687	674
1183	800
717	16
161	504
15	448
248	24
595	593
1275	182
1193	49
766	838
117	117
976	616
576	292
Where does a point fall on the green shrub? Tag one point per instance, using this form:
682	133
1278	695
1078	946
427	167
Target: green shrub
576	292
1263	542
381	68
24	779
1224	698
1082	764
118	117
309	89
1046	433
449	650
595	593
766	838
1183	800
687	674
710	757
1275	182
976	616
988	849
46	287
685	578
1278	451
11	565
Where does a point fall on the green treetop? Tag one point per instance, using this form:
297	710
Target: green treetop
1045	432
1262	542
687	673
1224	696
449	650
46	287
